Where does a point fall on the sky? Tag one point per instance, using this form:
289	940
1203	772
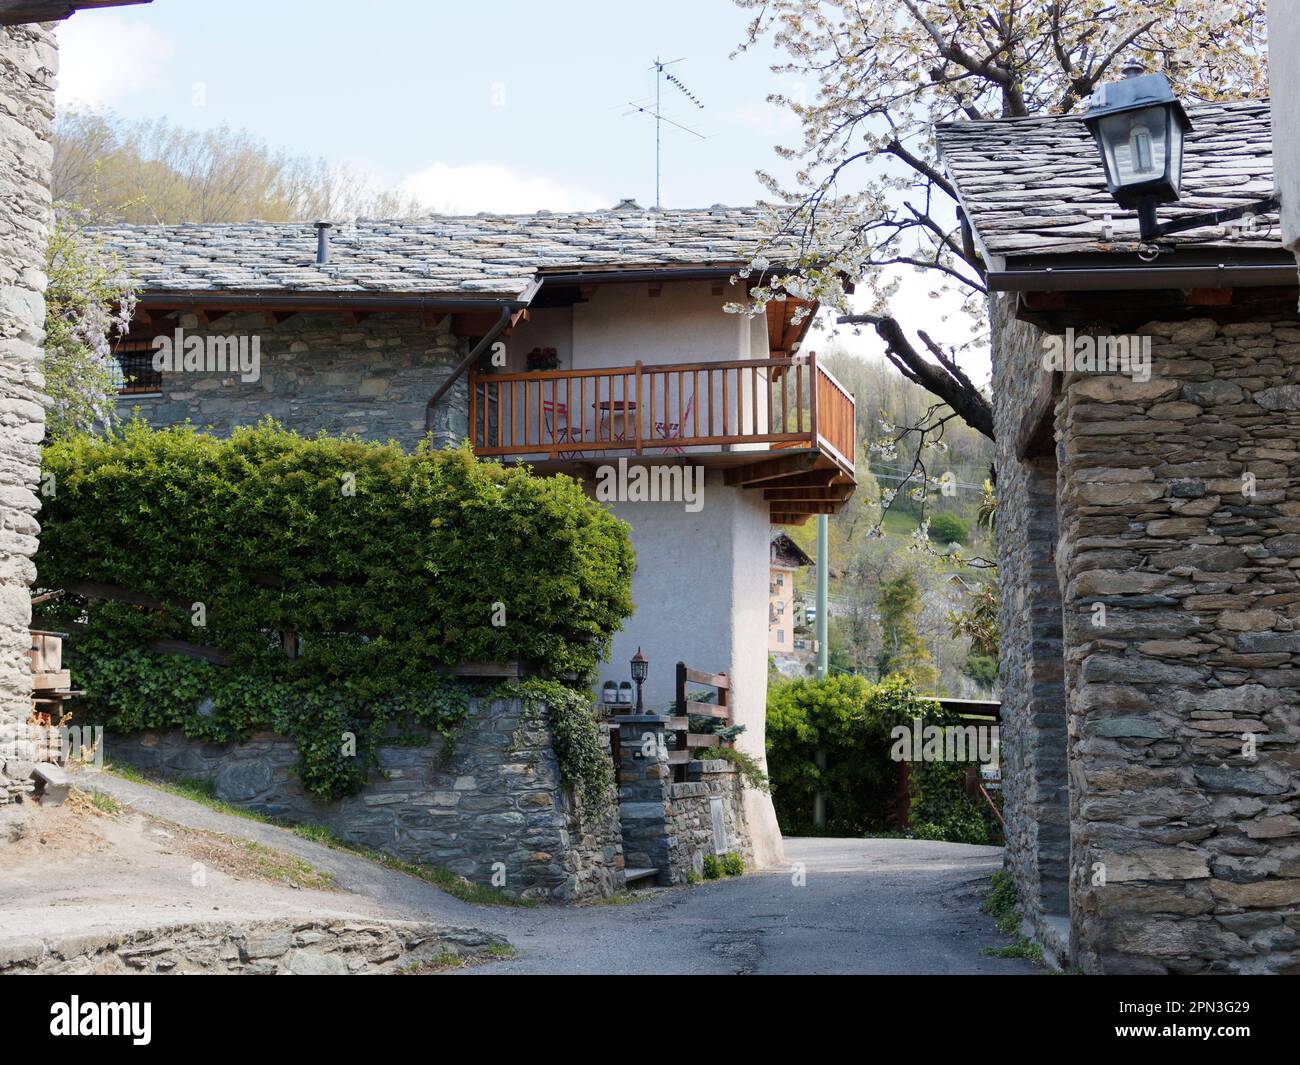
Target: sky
500	105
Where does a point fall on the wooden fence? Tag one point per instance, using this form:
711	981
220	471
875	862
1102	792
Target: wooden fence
687	741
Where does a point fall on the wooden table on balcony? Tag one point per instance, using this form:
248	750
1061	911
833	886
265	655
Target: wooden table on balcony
614	412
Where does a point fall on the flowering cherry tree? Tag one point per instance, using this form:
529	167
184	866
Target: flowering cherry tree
88	304
869	197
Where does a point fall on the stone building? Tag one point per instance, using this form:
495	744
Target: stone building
789	636
597	345
28	64
1148	440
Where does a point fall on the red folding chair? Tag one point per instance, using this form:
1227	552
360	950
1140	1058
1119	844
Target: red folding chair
556	417
673	430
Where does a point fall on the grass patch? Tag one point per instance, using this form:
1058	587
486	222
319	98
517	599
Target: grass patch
103	803
443	879
626	899
1000	904
289	868
449	960
195	789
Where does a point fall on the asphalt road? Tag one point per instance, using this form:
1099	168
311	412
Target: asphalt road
863	906
866	906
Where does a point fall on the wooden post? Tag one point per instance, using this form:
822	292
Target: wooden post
638	407
473	413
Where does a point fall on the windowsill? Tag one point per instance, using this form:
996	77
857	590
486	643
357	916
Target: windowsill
138	395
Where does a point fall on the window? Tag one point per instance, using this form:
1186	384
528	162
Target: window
780	580
134	373
780	635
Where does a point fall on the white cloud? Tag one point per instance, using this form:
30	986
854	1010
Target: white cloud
473	187
105	57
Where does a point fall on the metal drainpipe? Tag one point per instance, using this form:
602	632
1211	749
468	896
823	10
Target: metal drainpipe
470	359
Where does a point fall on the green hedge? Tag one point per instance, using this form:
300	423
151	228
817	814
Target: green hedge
385	565
850	719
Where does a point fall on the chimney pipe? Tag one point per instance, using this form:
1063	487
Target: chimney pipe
323	242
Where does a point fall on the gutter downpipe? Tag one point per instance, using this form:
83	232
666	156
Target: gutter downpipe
507	312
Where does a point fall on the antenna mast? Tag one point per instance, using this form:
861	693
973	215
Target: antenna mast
661	73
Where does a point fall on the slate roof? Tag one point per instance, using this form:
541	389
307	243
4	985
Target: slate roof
785	552
479	257
1035	186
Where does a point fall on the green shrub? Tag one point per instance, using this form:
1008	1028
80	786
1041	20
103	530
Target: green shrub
850	720
733	864
384	565
751	772
948	529
712	867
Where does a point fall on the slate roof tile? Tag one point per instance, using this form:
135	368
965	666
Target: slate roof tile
479	256
1036	185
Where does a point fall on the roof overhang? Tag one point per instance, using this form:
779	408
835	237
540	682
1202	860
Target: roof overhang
1117	272
1119	290
17	12
329	300
472	316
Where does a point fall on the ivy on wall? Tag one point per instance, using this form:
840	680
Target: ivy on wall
377	565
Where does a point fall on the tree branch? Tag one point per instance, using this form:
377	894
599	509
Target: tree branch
947	380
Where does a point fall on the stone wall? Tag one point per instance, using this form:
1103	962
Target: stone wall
319	371
496	798
267	948
1180	560
668	826
28	62
1177	508
1033	725
709	783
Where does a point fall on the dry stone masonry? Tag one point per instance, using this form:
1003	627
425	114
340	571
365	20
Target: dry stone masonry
494	807
373	378
28	62
1179	585
266	948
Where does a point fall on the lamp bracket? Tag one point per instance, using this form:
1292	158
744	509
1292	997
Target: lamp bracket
1151	229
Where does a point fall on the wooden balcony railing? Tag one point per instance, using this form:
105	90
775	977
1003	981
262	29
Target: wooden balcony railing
744	405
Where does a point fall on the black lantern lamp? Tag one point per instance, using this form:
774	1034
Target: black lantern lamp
640	669
1139	126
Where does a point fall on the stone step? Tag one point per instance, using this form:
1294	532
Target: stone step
639	874
52	784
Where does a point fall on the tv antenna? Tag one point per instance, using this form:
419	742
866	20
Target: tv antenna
662	74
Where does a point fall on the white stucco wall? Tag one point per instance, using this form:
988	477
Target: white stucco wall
1284	89
701	597
621	324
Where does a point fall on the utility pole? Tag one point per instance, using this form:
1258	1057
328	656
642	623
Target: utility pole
823	579
823	651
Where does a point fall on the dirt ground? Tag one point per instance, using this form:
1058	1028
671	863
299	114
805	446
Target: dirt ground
92	865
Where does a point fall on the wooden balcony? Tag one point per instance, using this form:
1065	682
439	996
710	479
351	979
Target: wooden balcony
782	426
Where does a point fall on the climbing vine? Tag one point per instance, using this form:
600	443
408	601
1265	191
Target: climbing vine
575	736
